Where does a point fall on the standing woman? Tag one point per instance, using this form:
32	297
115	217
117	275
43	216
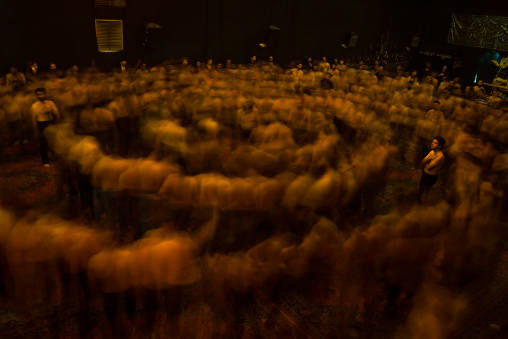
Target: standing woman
44	113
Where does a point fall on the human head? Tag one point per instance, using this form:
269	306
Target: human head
52	67
480	82
270	58
13	70
436	104
438	142
248	106
40	93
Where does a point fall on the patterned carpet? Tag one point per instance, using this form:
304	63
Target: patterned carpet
28	181
305	308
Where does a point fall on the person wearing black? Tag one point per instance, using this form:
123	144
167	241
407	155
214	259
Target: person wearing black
253	61
325	82
427	70
308	65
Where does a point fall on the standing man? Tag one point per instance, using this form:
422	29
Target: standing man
44	113
123	66
309	65
15	79
432	163
297	74
427	70
253	61
341	67
324	66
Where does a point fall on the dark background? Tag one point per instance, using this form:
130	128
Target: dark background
63	31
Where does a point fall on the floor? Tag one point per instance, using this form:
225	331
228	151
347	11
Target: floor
316	307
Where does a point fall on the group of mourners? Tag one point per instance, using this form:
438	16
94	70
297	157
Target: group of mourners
220	184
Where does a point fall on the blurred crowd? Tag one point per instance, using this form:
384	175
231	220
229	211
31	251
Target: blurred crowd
234	180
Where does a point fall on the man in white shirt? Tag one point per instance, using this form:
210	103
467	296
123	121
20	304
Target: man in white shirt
44	113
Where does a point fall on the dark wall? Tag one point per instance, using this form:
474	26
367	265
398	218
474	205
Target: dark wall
63	31
45	31
433	21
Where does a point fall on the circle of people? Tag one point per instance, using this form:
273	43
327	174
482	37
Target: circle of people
257	138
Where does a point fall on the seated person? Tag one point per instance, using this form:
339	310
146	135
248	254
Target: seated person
479	86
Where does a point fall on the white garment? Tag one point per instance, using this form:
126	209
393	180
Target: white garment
44	111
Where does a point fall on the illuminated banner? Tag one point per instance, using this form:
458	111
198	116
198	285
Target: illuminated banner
479	31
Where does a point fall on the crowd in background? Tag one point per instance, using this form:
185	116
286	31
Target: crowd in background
240	178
